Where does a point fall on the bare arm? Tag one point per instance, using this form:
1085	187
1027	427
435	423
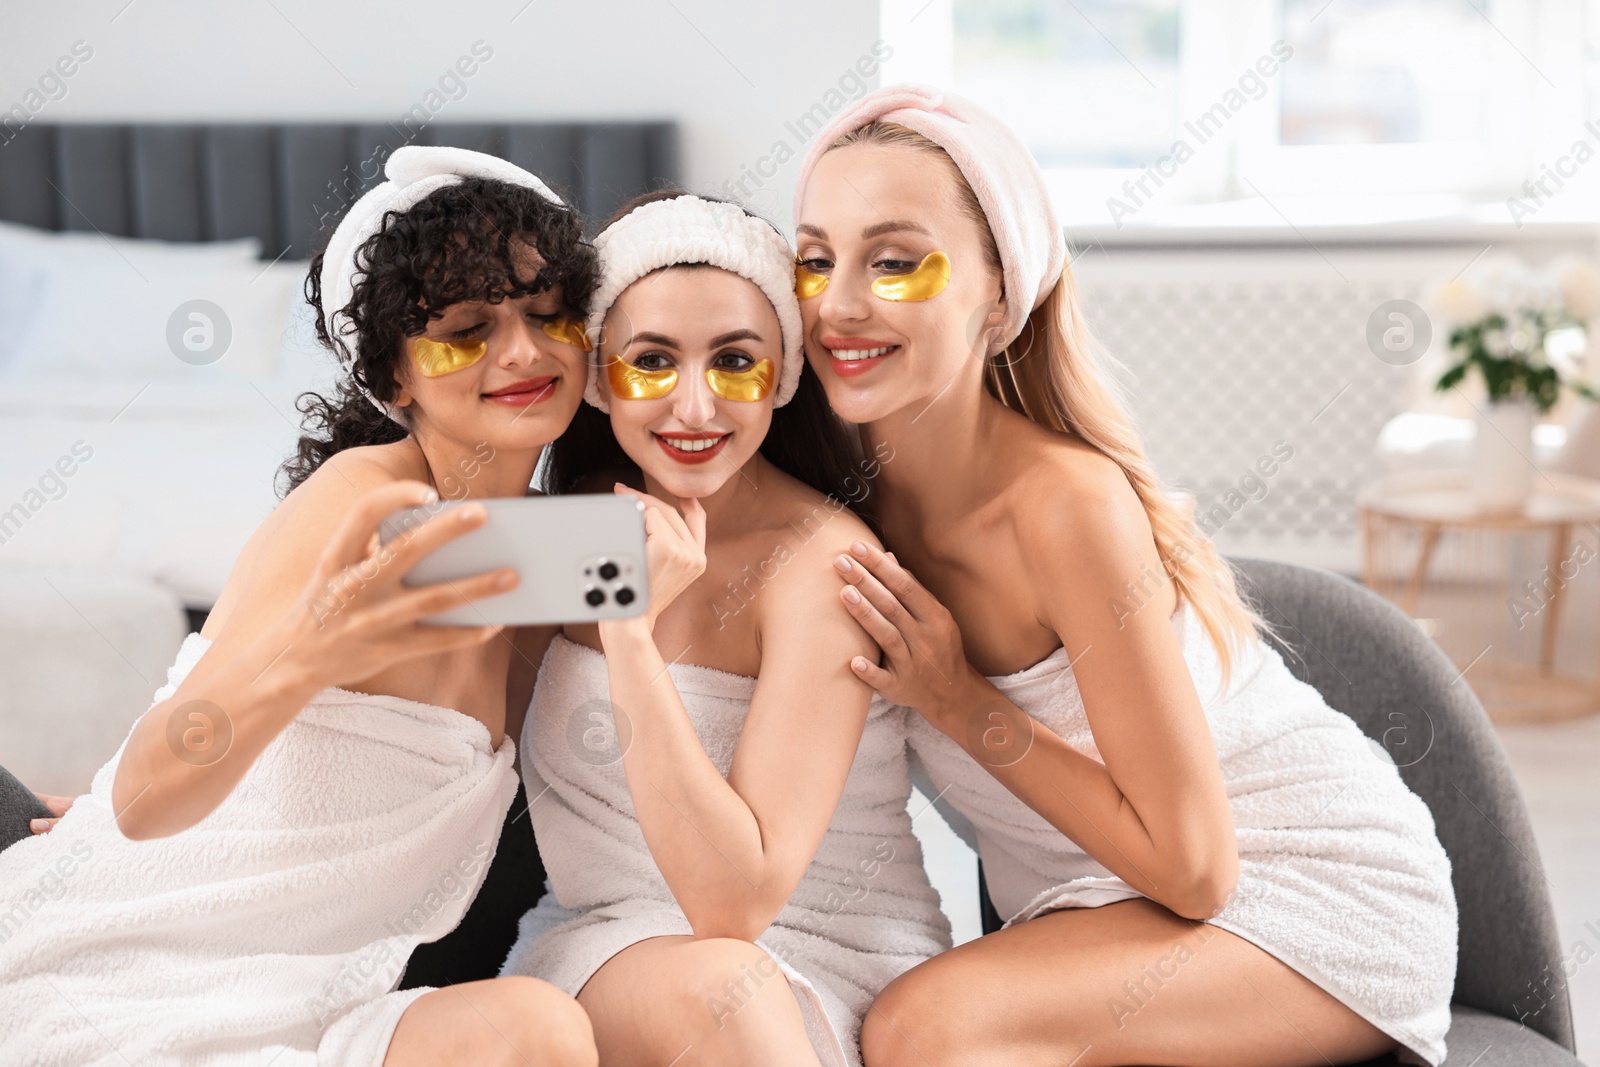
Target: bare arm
733	849
1155	812
321	605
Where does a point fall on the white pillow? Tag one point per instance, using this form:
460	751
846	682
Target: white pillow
27	254
175	316
16	237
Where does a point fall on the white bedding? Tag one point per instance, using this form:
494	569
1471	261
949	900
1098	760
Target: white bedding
174	464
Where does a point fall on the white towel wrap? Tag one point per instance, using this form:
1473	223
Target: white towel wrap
863	912
1341	875
275	929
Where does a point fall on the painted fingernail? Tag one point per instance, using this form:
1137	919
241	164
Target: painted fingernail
859	548
851	595
842	564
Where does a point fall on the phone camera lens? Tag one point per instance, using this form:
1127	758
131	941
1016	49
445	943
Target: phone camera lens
594	596
608	570
624	596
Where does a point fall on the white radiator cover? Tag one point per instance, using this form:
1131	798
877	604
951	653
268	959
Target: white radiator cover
1231	352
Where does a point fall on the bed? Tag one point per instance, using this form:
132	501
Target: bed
154	342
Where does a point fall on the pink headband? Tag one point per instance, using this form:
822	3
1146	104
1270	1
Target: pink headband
997	165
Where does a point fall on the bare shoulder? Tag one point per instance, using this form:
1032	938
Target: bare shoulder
1074	510
801	608
820	528
313	510
806	534
281	555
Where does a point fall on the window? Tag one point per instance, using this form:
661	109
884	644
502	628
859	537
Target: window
1378	72
1042	64
1159	104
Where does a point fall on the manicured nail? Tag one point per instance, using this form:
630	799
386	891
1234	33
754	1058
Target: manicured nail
851	596
842	564
38	826
859	548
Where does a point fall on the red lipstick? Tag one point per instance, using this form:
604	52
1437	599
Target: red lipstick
526	392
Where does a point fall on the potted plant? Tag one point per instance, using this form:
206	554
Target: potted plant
1524	333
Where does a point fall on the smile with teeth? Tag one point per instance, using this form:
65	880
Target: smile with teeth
850	355
692	444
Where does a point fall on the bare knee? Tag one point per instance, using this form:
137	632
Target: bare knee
527	1020
901	1022
740	997
932	1014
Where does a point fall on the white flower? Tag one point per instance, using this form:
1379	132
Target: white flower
1506	283
1524	340
1457	302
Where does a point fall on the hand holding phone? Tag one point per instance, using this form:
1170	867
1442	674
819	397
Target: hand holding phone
578	558
675	545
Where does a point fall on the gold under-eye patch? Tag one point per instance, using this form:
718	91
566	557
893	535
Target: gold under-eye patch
445	357
752	383
569	332
928	280
808	283
635	383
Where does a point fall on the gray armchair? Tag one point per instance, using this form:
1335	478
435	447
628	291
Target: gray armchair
1372	663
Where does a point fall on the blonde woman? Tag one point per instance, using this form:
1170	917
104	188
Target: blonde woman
1200	862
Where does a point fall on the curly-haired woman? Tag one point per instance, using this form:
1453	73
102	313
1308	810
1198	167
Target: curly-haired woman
319	785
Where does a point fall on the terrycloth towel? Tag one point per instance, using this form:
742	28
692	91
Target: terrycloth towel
1340	873
274	930
863	912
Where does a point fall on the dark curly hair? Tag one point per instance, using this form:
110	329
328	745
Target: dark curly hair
806	440
457	243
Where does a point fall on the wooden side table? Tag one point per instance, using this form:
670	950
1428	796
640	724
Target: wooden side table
1427	505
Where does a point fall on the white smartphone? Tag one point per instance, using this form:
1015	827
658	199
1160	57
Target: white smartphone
579	559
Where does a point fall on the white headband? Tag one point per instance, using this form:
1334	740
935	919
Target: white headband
687	229
413	171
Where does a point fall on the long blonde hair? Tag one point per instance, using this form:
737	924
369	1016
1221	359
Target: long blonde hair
1070	390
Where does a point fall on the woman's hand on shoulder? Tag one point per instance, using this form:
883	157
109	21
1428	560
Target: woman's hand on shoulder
924	665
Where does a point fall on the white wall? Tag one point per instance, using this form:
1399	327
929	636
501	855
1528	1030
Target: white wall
730	72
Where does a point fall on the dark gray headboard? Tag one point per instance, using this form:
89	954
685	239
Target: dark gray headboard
288	184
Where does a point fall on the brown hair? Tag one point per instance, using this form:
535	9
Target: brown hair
1057	375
